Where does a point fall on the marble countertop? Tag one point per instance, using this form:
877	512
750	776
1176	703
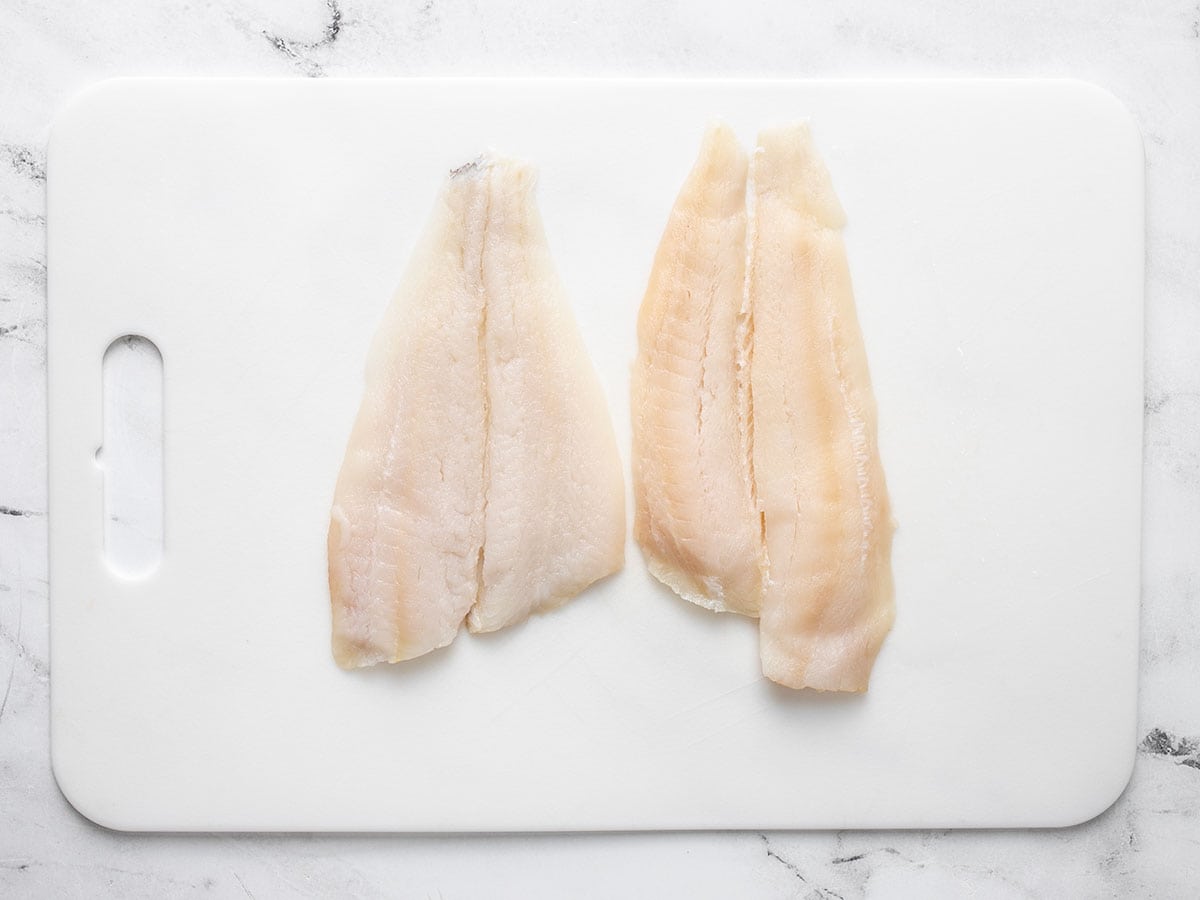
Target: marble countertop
1147	53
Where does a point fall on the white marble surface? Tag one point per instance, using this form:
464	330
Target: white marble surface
1148	53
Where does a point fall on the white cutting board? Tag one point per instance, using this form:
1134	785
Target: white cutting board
254	231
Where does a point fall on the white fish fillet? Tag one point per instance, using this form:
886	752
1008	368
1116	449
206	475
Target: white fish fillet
555	515
482	475
828	599
757	476
696	518
407	521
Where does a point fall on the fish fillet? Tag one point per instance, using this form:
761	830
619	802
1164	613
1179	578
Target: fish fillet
482	479
555	514
407	522
828	600
696	518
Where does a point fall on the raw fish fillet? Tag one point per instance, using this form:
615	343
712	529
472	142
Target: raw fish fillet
696	518
482	474
828	599
407	521
555	513
756	468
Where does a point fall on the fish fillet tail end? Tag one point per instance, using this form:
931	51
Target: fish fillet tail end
826	662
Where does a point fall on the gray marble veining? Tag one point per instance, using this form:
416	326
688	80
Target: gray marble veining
1148	53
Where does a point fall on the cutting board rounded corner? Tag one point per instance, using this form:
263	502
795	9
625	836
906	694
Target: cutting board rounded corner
77	789
76	112
1109	106
1100	800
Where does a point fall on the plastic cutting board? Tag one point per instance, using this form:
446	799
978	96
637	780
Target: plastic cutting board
255	229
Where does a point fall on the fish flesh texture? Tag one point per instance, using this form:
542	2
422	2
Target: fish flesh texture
828	598
757	476
481	477
555	514
695	513
406	527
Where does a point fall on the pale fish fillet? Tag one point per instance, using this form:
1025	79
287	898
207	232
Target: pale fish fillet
696	518
407	523
482	474
827	602
555	513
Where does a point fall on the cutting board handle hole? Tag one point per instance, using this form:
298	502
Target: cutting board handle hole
131	456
